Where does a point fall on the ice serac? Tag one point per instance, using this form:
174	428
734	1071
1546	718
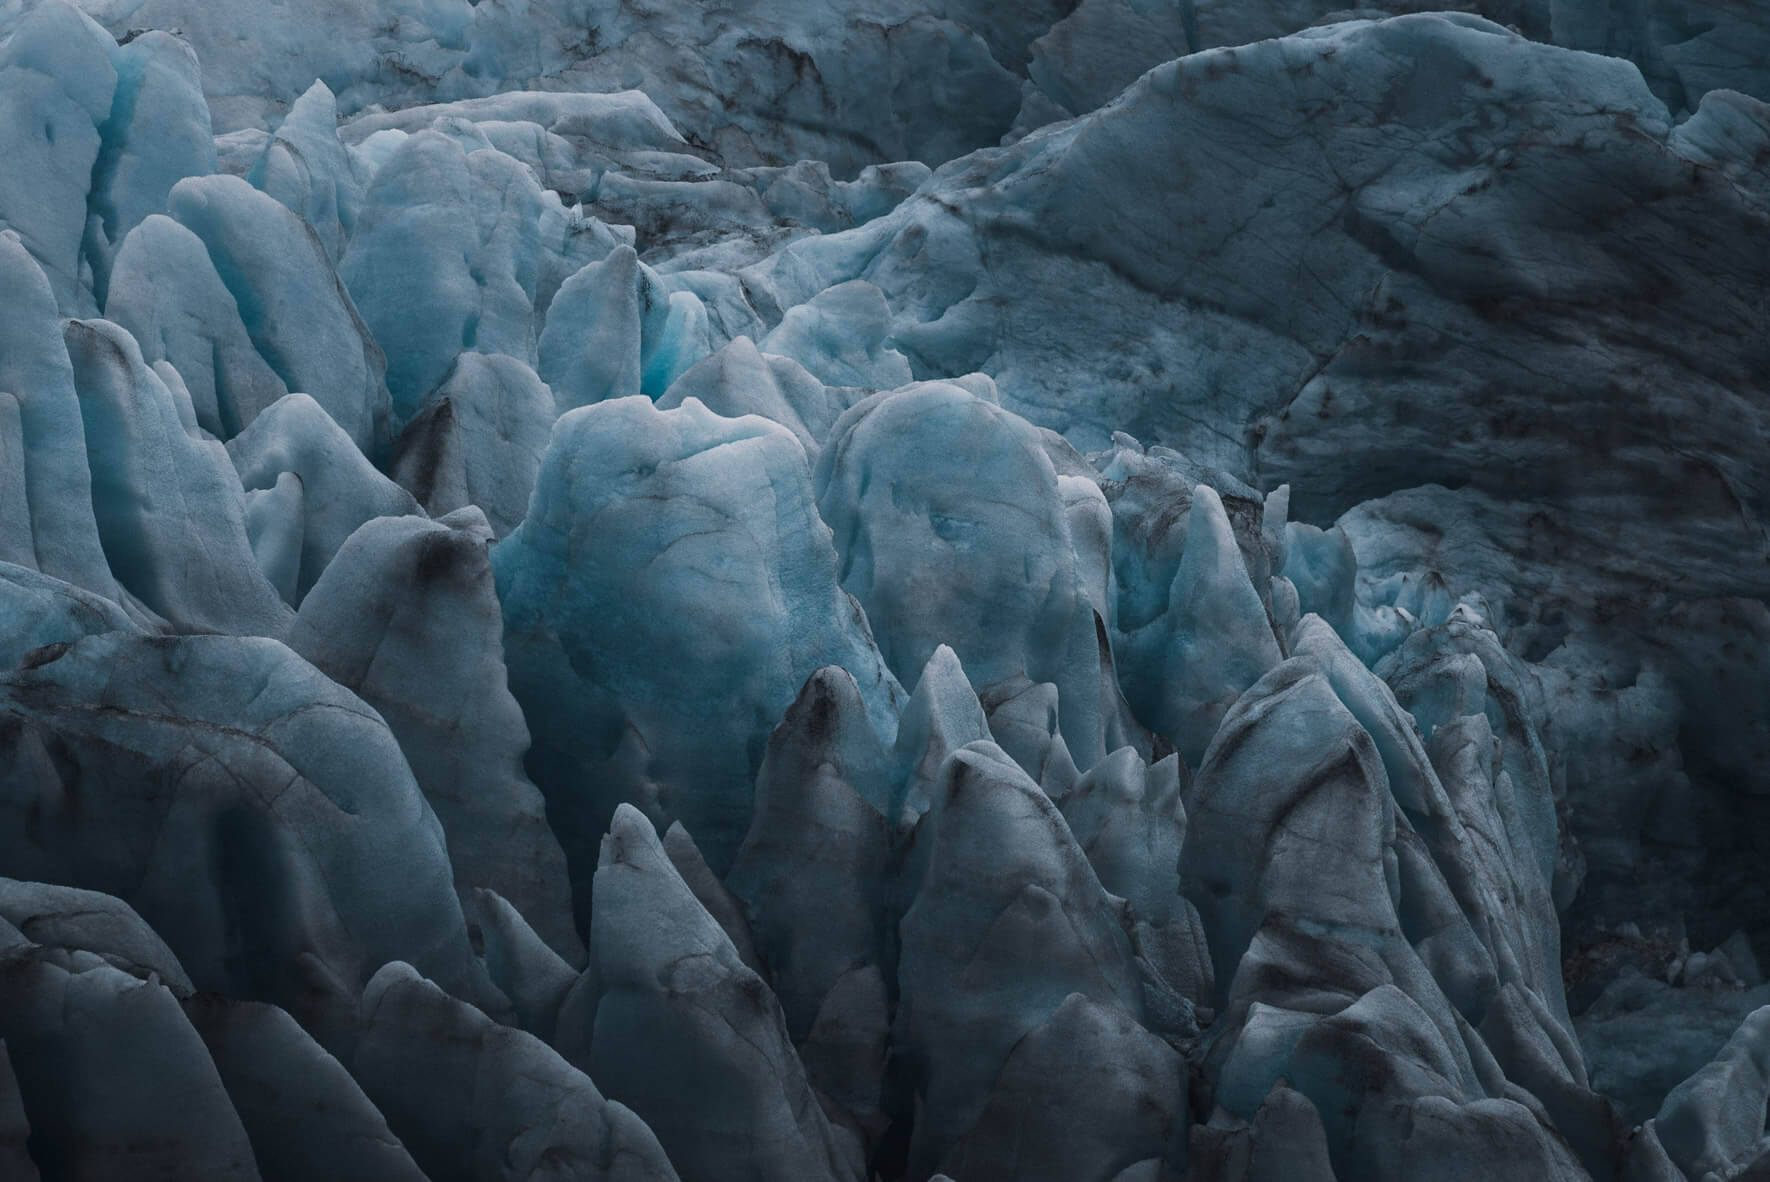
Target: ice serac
406	617
306	1117
472	1099
772	84
458	248
617	328
665	598
1089	1095
1712	1124
47	517
1007	922
1213	641
1686	49
1024	722
591	348
308	488
1459	673
1128	818
942	715
1149	494
157	134
110	1072
306	168
478	440
923	483
293	305
812	869
814	874
570	140
287	789
1247	861
170	509
1285	1142
1357	791
1367	997
165	290
688	1036
58	79
808	194
712	894
523	966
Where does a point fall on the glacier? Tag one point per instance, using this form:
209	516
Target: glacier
912	591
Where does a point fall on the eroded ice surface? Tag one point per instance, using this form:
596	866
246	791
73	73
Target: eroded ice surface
1133	591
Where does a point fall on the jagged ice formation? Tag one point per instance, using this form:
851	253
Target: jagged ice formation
1079	591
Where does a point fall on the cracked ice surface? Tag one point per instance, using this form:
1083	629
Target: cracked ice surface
1122	591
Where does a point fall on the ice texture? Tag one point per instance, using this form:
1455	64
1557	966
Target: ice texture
916	590
670	707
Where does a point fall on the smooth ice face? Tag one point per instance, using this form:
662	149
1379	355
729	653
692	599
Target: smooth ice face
295	309
68	917
171	513
38	610
48	514
840	337
165	290
741	380
594	344
115	1071
670	589
59	80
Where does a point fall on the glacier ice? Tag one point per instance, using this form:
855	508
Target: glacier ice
304	1114
478	440
295	308
305	167
165	290
511	246
1121	591
170	509
114	1071
689	1033
715	517
307	490
490	1101
399	592
48	516
283	786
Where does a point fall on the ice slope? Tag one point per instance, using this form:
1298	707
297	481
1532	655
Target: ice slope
569	608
